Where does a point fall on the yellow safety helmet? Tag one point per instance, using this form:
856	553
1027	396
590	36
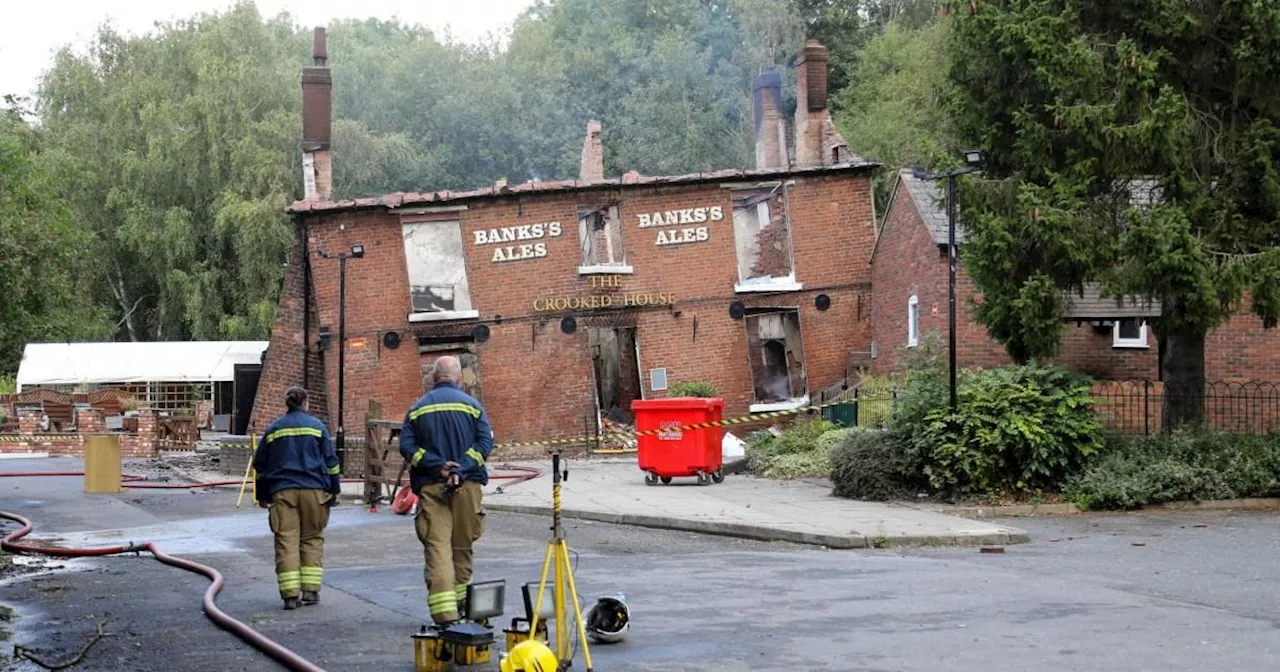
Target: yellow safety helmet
530	655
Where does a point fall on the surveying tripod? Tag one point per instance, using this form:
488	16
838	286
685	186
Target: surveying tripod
558	550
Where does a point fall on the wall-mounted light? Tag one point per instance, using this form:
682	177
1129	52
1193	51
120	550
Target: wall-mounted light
357	251
568	325
480	333
737	310
391	340
326	337
822	302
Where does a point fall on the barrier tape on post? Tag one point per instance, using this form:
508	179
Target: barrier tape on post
726	422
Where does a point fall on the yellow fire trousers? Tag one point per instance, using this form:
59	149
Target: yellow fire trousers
298	518
447	526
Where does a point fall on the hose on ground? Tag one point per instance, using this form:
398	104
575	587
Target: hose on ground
247	634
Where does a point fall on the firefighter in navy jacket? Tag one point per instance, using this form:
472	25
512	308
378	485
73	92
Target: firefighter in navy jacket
298	479
446	439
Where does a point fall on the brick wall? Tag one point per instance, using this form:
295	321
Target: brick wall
536	381
1242	349
288	351
142	443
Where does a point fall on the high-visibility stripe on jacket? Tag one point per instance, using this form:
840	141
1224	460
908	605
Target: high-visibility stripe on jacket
446	425
296	451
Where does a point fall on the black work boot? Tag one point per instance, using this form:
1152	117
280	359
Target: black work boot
310	597
290	603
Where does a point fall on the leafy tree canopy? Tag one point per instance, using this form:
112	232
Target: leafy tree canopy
1133	143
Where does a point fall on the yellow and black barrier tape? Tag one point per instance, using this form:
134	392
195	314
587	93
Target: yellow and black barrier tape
844	398
26	438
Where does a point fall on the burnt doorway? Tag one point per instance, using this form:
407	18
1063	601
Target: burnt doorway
616	365
776	352
465	352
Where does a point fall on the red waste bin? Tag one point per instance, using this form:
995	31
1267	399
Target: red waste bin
673	452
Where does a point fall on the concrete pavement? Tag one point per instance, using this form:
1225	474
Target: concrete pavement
614	491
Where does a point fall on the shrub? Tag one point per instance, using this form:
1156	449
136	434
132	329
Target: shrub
1191	466
8	384
696	388
874	465
799	451
1017	428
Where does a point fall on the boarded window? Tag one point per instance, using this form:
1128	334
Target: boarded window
437	267
777	356
762	233
600	236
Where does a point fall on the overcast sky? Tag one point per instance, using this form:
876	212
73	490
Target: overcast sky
33	30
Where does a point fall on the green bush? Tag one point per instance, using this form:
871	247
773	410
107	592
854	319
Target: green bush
8	384
696	388
800	451
874	465
1017	428
1192	466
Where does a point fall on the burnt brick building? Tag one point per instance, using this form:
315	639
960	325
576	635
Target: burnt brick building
567	300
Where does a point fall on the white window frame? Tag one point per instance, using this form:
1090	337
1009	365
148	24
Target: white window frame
913	321
441	219
1138	343
787	283
619	267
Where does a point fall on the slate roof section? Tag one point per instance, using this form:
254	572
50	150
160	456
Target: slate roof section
1092	306
931	202
411	199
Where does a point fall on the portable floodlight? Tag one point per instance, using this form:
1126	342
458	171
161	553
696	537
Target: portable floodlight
484	600
546	608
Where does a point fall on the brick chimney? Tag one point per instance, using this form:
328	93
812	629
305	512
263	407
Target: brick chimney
592	166
817	142
317	114
771	138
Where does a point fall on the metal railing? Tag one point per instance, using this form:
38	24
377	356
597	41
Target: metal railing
1139	407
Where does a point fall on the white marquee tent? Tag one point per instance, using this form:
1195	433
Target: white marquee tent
71	364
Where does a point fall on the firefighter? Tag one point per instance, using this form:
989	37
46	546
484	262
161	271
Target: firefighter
446	439
298	480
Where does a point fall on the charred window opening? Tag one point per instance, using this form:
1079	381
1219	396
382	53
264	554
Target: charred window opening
600	236
777	356
762	233
436	264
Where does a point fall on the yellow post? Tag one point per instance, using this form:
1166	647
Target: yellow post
248	467
102	463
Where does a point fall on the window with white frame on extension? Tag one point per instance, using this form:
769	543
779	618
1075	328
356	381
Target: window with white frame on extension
776	353
913	321
762	236
600	237
1129	334
436	263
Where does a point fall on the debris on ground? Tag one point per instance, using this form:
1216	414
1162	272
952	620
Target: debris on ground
618	431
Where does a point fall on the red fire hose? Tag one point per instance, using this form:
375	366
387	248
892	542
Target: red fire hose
405	498
250	636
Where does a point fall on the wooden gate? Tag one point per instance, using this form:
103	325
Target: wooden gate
384	468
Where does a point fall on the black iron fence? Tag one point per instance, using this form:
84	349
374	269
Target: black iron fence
1134	407
1142	407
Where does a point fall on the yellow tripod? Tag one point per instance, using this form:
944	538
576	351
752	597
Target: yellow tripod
559	550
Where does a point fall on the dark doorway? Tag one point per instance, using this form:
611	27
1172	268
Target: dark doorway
246	388
470	366
617	370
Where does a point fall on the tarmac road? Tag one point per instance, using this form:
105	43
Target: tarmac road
1190	598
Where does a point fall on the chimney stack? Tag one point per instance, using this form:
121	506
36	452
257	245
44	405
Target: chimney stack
771	139
811	102
317	115
592	167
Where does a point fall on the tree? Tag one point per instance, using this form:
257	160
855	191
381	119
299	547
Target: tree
44	255
1133	143
892	110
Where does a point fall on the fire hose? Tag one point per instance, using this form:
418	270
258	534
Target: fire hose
247	634
220	618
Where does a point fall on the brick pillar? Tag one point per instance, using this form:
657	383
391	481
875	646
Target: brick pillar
29	421
89	421
771	142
